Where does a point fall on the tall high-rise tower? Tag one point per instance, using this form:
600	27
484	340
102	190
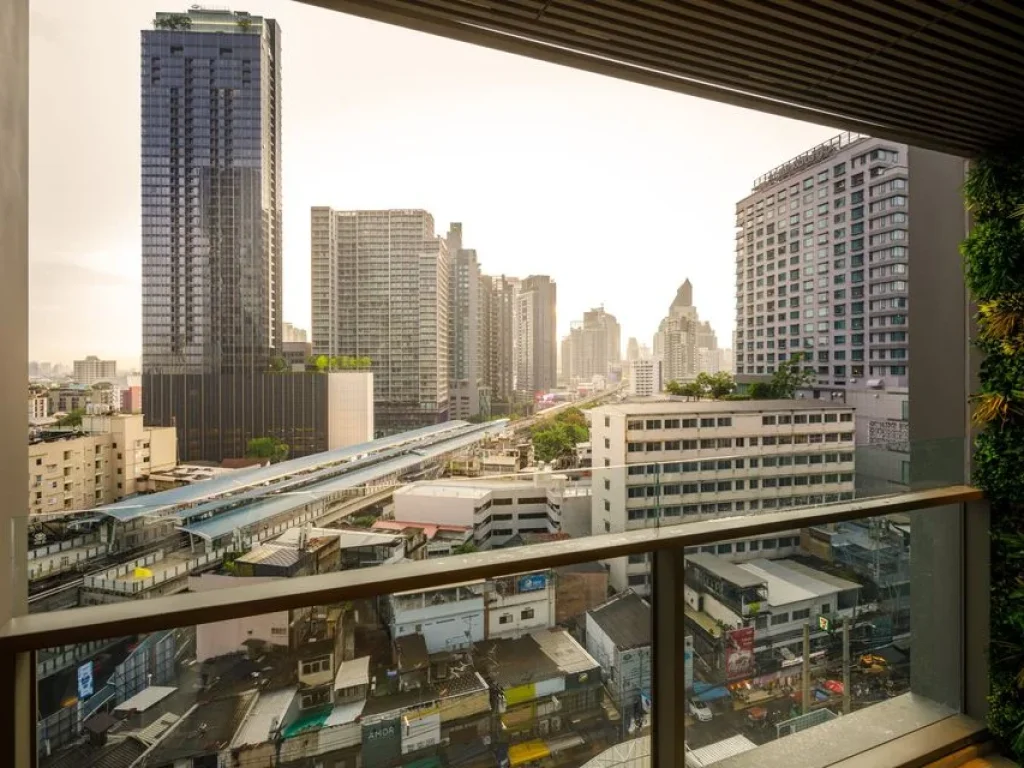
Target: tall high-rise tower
380	289
467	328
536	341
822	254
211	238
211	193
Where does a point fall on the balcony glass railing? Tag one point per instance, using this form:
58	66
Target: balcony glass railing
556	618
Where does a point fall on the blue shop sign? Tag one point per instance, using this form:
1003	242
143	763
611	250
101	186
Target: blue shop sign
533	583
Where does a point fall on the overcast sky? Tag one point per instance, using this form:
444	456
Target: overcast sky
617	191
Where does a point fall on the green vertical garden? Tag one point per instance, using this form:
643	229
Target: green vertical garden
994	267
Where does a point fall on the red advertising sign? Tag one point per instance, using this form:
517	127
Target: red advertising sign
739	653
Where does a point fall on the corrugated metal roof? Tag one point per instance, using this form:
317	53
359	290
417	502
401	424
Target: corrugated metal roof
146	698
731	572
266	714
787	585
352	673
940	75
720	750
570	656
269	554
626	619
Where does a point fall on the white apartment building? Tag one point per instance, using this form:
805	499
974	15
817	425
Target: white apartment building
92	370
453	617
645	378
672	461
38	408
497	509
291	334
108	462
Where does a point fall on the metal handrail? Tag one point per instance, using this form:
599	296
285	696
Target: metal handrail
77	625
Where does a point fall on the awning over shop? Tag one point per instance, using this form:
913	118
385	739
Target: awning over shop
528	751
709	693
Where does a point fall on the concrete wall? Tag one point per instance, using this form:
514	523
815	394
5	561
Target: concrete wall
412	507
223	637
444	627
350	408
541	603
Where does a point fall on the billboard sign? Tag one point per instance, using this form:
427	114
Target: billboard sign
534	582
85	681
382	742
688	661
739	653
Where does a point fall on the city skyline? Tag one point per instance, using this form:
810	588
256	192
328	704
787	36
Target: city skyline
523	227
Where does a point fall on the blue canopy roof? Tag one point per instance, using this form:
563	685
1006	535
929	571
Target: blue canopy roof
185	496
282	503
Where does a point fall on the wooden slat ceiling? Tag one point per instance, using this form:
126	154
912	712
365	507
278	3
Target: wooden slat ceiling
944	74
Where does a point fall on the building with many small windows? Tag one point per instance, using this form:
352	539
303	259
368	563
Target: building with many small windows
822	257
497	509
670	461
108	458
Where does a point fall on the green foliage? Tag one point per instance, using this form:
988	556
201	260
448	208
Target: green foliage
267	448
789	376
994	257
994	271
711	385
178	21
361	521
556	437
72	419
323	363
716	385
465	549
278	364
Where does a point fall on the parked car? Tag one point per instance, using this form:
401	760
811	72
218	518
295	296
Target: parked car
700	710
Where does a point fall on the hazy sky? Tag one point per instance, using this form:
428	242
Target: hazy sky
618	191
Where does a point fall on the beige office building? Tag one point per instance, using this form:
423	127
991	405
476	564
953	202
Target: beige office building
92	370
110	461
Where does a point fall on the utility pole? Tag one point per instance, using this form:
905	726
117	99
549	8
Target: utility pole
805	687
846	665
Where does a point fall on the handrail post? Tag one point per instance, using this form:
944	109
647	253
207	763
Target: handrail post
668	679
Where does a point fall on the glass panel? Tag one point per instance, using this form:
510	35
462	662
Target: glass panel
148	545
796	629
539	666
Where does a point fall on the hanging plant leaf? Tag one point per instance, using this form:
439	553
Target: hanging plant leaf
995	406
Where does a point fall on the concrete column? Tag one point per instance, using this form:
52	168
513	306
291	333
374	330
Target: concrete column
15	715
13	295
941	371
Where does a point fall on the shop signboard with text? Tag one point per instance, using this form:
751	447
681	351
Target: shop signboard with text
739	653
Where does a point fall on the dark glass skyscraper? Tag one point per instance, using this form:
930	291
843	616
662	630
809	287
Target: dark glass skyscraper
211	234
211	196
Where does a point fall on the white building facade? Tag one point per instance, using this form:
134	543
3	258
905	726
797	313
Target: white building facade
658	463
496	509
645	378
